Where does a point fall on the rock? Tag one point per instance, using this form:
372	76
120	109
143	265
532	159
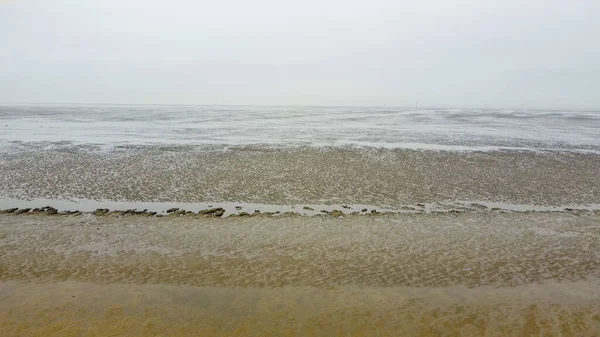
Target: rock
355	213
324	211
9	210
22	210
171	210
277	212
346	207
308	208
219	213
101	211
243	214
256	211
238	207
37	210
159	215
373	211
211	211
151	213
420	205
140	212
336	213
52	211
364	210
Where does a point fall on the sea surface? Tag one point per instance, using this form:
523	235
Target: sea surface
219	127
288	158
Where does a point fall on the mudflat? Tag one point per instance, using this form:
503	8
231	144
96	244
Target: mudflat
441	274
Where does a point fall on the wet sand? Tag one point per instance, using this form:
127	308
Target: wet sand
471	274
383	178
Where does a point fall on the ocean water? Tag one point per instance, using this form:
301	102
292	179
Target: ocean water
219	127
289	157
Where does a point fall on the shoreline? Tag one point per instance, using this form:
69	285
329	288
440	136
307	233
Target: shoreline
231	209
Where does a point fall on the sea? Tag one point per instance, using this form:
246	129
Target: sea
222	127
295	158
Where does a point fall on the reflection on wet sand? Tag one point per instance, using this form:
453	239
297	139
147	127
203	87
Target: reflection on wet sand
86	309
472	274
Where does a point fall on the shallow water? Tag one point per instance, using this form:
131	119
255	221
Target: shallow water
387	179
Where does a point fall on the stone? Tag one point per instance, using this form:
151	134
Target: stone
373	211
211	211
22	210
336	213
219	213
308	208
101	211
10	210
364	210
244	214
171	210
346	207
238	207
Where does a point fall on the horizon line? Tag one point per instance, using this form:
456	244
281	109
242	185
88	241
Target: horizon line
310	105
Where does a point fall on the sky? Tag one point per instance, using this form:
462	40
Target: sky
459	53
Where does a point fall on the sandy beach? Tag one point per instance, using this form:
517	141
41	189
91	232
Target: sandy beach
471	274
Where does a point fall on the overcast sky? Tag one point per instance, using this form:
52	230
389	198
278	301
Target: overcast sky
455	53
